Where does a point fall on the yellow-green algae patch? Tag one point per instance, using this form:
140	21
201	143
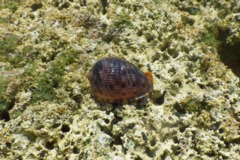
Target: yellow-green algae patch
48	47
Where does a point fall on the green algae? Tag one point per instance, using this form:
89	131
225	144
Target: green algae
157	1
17	58
3	87
10	4
209	37
3	106
4	20
44	84
192	10
193	105
8	50
6	100
122	22
218	36
8	44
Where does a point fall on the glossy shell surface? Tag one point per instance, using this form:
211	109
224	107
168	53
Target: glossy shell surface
116	80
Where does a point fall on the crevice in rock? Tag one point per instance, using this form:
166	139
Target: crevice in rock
104	5
229	49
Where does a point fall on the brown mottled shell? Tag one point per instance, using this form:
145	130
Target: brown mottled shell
116	80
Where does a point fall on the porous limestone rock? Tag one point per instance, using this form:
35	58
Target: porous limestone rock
191	47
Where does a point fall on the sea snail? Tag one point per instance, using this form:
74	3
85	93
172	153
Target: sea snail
114	79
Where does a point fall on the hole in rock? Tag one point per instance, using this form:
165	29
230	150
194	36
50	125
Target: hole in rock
8	145
138	158
104	5
150	152
153	142
36	6
230	56
65	128
50	145
176	150
5	116
160	100
19	158
75	150
117	141
165	154
106	120
229	52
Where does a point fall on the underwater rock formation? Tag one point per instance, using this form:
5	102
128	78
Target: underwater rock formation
47	48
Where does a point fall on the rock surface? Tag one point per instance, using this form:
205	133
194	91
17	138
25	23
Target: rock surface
191	47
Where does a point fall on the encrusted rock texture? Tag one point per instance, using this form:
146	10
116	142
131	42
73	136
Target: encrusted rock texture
192	49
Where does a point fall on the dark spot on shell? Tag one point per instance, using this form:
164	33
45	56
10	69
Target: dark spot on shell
111	86
123	85
134	84
124	73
